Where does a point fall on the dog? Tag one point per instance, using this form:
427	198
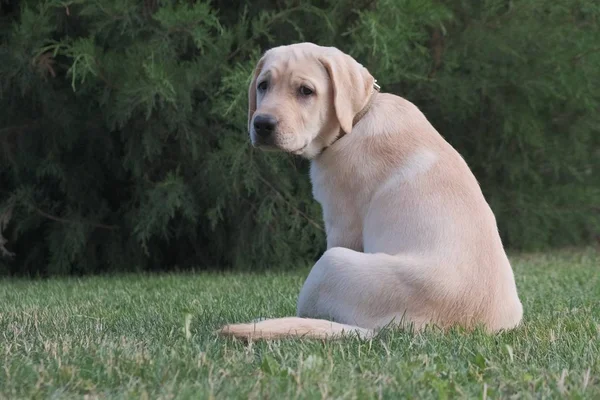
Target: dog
411	240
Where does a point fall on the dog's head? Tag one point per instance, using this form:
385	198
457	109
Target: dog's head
302	95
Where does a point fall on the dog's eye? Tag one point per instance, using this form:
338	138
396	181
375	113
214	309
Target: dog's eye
262	86
304	91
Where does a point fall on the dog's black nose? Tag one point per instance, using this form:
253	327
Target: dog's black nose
264	125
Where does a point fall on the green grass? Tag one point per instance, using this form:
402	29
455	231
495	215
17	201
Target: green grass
126	337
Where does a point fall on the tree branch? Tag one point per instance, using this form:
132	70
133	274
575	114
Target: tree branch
18	129
579	56
68	221
300	212
4	220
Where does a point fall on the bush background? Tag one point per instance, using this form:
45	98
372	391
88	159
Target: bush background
123	143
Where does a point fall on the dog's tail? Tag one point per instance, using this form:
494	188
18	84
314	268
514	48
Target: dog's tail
281	328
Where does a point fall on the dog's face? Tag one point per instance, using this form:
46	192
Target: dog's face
301	95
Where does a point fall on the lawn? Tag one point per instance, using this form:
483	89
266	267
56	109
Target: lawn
142	336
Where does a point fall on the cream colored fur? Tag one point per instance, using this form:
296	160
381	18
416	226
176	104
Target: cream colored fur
410	236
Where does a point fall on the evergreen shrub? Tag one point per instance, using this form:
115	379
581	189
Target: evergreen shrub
123	131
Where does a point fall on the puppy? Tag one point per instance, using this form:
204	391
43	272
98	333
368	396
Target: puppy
411	239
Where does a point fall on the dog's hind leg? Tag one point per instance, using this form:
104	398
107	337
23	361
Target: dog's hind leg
369	290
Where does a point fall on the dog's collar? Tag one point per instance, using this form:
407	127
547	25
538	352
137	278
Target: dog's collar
376	88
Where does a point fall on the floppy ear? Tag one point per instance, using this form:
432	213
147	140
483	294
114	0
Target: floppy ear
252	90
352	85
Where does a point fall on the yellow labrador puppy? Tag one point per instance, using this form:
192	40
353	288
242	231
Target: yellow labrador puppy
410	236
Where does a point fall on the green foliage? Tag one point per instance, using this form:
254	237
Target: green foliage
123	140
